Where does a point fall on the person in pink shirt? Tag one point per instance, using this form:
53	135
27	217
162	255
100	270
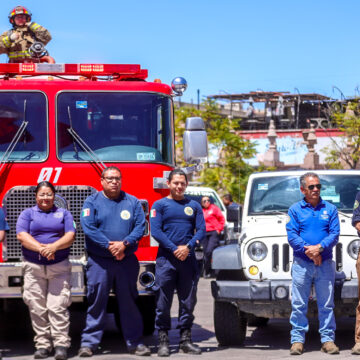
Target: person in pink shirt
215	222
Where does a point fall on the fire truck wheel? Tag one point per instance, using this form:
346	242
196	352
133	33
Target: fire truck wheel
230	324
257	321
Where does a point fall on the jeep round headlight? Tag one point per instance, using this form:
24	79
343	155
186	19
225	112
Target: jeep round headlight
353	249
257	251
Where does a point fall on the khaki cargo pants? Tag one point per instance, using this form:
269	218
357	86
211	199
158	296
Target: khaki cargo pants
47	294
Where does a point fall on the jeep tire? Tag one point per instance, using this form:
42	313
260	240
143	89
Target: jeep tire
230	324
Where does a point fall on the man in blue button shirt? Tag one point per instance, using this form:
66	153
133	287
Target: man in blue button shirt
313	230
113	222
356	223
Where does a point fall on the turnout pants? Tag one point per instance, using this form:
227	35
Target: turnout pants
172	274
102	275
47	294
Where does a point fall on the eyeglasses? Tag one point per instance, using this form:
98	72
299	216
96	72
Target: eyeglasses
110	179
204	201
311	187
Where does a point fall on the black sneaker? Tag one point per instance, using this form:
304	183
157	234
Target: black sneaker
85	351
140	350
41	353
60	353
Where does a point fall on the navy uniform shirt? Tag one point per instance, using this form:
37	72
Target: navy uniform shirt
173	223
307	225
356	213
104	220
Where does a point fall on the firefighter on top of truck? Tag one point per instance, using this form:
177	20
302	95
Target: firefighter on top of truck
18	42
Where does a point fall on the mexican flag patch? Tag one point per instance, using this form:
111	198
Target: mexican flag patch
153	213
85	212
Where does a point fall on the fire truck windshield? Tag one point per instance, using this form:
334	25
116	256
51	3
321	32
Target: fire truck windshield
116	126
23	133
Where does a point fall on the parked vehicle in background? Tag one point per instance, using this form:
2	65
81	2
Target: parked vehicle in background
253	281
197	192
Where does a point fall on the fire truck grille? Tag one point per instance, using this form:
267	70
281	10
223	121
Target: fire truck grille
21	197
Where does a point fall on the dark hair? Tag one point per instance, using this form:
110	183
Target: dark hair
305	176
177	172
109	169
228	197
45	184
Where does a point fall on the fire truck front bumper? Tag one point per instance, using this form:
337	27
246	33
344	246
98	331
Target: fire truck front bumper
11	280
274	290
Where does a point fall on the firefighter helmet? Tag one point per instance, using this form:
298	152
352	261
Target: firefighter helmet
18	10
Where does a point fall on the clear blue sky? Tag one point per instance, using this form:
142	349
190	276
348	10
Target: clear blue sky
229	45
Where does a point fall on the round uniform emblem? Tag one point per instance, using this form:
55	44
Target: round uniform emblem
188	211
287	218
58	215
125	215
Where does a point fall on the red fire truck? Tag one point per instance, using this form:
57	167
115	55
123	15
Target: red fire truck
65	123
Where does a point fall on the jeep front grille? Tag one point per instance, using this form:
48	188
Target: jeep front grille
21	197
285	258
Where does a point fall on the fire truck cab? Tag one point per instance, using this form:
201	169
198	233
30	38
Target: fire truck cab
65	123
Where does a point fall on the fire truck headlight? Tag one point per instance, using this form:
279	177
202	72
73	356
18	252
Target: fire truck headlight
179	85
257	251
353	249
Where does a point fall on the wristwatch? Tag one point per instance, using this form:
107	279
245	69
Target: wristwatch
188	246
321	249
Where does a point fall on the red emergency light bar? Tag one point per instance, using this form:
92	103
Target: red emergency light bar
124	71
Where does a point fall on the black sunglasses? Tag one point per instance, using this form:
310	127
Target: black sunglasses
311	187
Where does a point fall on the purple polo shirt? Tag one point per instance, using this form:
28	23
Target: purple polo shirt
46	228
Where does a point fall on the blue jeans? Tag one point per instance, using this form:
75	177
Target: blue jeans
304	274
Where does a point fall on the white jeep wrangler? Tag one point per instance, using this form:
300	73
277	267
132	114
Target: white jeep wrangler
253	280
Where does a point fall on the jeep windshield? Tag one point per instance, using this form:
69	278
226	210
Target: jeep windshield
23	134
116	126
274	195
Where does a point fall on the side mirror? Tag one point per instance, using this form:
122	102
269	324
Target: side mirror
195	146
234	215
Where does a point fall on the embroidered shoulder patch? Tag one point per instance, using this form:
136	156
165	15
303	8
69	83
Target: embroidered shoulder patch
85	212
356	204
153	213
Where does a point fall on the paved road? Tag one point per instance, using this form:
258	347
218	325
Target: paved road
270	342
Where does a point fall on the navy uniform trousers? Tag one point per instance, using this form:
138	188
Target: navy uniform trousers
172	274
102	275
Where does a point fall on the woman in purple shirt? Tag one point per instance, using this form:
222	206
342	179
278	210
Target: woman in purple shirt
46	234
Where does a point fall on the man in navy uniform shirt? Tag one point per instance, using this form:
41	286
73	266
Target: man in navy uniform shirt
356	223
313	230
176	223
113	222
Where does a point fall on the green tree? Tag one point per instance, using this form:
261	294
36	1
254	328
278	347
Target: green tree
226	171
345	153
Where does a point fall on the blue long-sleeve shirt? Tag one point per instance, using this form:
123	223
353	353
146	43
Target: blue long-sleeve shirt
174	223
104	220
311	226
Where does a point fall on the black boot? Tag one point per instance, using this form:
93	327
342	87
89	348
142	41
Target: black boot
163	348
186	345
